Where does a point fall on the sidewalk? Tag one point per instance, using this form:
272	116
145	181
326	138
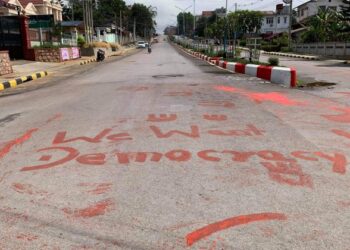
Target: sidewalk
23	70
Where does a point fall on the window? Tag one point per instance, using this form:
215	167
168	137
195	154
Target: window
278	20
269	20
285	19
302	12
333	8
322	8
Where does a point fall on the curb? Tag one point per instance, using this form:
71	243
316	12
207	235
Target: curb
312	58
14	82
278	75
88	61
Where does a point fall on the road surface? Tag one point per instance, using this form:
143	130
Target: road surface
164	151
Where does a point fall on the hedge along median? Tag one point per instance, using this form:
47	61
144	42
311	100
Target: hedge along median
279	75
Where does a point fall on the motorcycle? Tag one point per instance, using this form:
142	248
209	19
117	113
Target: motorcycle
100	55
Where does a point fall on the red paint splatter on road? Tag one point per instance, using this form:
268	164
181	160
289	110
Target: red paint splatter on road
18	141
26	189
217	118
344	117
259	97
274	97
227	89
224	104
97	188
27	237
231	222
97	209
341	133
161	118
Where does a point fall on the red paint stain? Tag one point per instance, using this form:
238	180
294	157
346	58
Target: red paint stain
26	189
344	117
339	161
224	104
289	173
259	97
231	222
27	237
97	209
273	97
71	154
97	188
54	118
227	89
18	141
161	118
341	133
218	118
343	204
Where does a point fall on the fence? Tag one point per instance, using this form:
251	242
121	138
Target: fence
337	50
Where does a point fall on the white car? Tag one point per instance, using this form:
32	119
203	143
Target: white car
141	45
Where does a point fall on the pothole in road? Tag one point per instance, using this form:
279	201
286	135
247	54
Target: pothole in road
316	84
168	76
9	118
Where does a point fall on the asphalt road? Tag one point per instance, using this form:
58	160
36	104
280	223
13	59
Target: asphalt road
164	151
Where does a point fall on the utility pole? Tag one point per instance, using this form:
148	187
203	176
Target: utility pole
194	17
290	24
121	25
134	29
88	20
225	35
183	15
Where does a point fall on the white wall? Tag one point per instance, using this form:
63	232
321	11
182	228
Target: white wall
311	8
275	27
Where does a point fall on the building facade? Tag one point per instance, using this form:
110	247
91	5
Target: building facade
276	22
312	7
34	7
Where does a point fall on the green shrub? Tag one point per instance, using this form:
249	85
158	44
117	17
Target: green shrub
286	49
274	61
81	41
270	48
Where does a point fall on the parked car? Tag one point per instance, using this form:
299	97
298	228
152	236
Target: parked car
141	44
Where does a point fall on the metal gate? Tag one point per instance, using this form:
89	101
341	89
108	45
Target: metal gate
10	36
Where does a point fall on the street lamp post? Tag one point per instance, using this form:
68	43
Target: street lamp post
183	15
225	35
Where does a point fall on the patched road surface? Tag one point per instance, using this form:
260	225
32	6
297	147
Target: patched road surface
164	151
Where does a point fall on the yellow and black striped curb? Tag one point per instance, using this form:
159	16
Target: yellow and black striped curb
88	61
14	82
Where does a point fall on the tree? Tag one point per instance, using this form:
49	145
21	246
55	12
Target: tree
345	12
245	21
144	17
188	23
108	12
72	10
324	27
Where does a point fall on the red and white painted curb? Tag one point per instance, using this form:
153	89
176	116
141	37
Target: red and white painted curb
279	75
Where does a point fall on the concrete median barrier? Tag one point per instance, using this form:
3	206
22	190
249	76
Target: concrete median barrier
278	75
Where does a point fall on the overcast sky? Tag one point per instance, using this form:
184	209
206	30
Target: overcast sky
167	11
